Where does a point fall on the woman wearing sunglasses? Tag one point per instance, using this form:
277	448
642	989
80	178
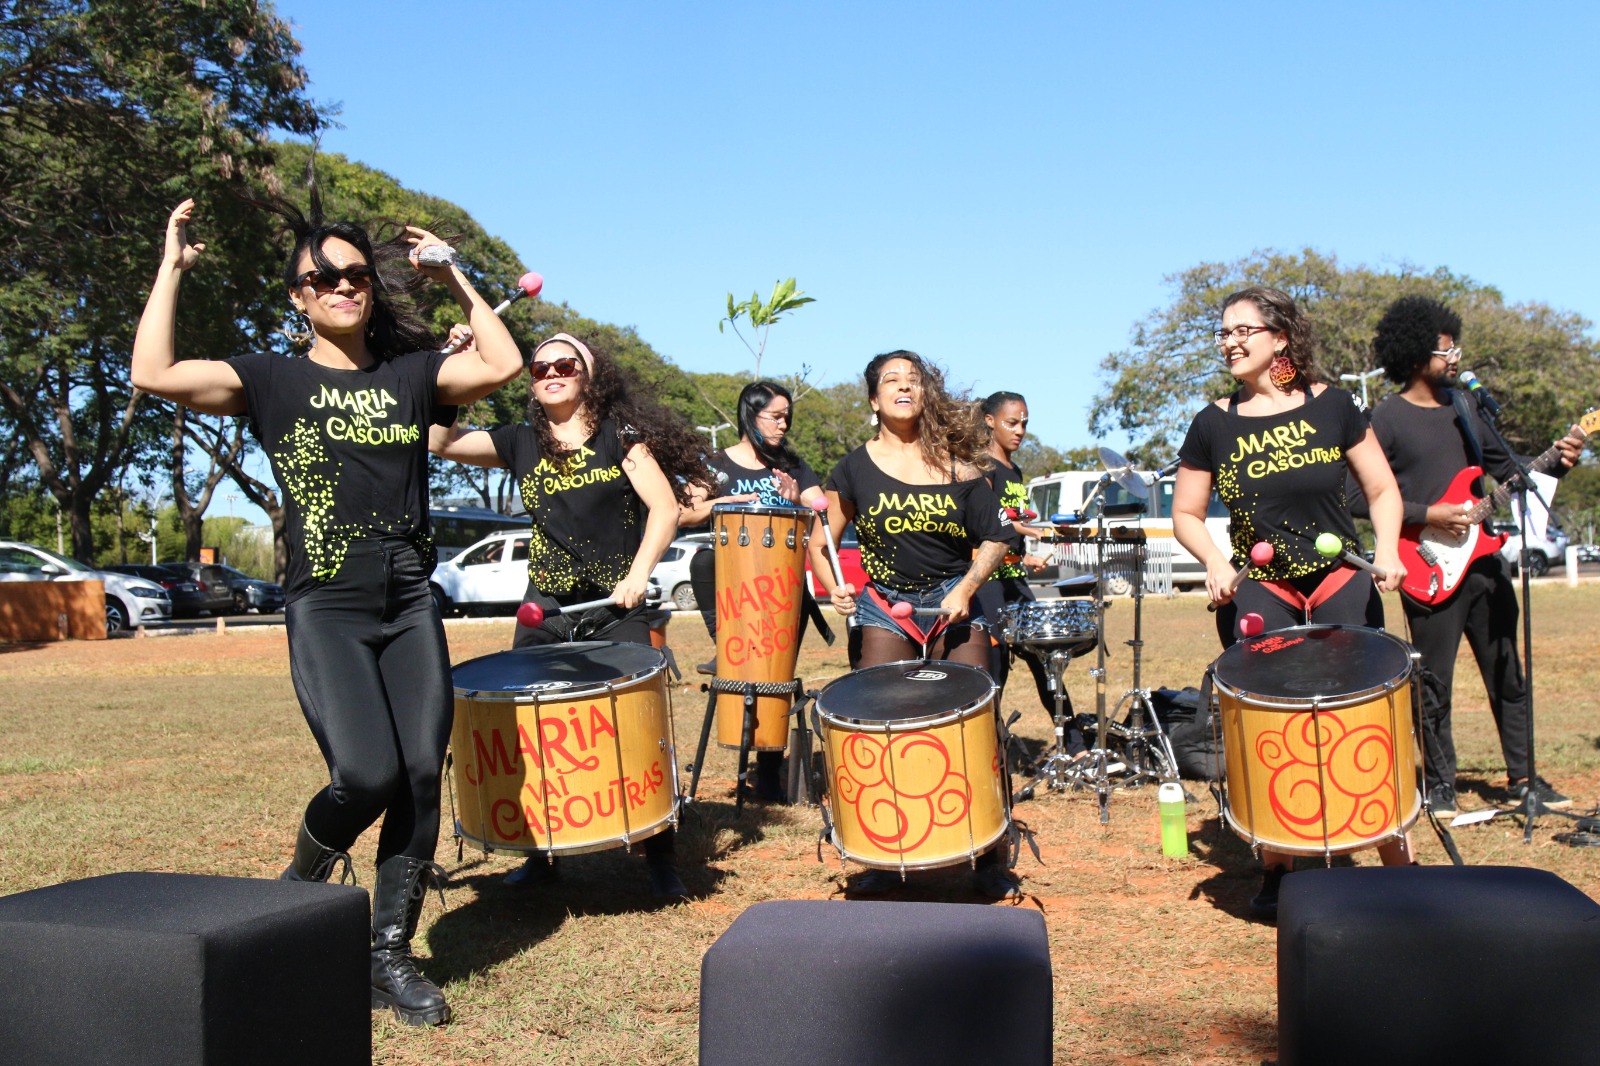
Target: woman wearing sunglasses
1277	450
762	468
602	475
346	428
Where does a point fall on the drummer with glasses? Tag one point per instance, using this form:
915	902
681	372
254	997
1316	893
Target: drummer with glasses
1276	450
919	503
762	468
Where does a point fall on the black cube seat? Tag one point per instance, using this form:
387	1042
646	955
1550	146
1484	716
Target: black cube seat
822	982
185	970
1436	964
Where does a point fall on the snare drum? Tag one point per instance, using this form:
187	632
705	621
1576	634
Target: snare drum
1073	624
913	755
1318	728
761	574
564	748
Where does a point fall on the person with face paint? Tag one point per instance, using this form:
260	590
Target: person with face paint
602	476
1430	432
345	427
762	468
1278	449
920	503
1005	416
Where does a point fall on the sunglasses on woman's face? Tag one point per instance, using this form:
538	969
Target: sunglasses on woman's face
359	277
565	367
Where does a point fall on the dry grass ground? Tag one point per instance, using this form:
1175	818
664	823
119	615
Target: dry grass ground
189	754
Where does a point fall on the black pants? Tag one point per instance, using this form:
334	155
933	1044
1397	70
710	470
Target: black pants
368	657
1357	603
1484	608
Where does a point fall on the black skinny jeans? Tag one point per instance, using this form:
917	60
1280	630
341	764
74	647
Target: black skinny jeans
368	657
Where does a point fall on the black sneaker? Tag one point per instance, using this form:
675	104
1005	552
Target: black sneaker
1548	796
708	668
1442	799
874	883
665	884
995	882
535	870
1264	904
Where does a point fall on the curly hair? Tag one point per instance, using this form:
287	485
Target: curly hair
1408	334
395	327
610	393
947	431
1279	314
753	399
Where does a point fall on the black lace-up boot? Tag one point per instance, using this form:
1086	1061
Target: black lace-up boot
396	905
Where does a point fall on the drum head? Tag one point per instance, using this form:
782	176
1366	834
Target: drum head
1306	662
556	668
907	692
756	508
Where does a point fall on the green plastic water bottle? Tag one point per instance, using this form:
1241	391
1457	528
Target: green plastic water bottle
1174	823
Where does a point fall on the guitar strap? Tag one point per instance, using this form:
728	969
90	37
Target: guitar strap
1458	400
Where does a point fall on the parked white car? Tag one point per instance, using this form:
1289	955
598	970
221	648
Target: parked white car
490	577
1551	551
130	601
672	572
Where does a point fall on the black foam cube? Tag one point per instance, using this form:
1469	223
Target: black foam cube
1436	964
819	983
183	970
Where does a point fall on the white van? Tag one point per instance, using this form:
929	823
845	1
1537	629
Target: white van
1168	564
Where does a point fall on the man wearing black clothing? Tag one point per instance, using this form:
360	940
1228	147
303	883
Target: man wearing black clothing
1429	435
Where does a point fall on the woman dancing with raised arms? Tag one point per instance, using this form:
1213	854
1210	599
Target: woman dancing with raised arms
346	430
919	504
1318	432
602	476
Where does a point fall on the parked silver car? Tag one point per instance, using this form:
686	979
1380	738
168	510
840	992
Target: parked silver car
130	601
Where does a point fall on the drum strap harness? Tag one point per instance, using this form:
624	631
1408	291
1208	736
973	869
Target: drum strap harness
1337	578
910	628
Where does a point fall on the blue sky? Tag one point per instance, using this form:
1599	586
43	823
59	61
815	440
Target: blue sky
1002	187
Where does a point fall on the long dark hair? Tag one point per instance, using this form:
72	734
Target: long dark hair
1279	313
946	431
753	399
394	327
608	393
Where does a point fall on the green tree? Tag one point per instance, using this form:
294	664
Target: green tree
1529	354
111	112
762	314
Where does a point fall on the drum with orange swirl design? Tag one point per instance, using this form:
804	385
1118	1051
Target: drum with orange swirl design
913	754
1318	726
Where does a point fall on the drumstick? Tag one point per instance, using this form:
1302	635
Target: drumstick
527	285
532	615
1251	625
1260	555
1329	546
819	504
902	609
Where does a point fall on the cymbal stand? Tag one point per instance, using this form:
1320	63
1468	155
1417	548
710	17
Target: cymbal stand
1057	770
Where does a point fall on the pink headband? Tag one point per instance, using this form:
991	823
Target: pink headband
568	339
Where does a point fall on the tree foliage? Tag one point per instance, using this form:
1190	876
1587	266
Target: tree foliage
761	314
1530	355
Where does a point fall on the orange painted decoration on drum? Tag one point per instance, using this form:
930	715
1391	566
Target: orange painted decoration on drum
865	789
1356	791
760	576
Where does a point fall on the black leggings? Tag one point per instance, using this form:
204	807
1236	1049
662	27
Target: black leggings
368	657
1357	603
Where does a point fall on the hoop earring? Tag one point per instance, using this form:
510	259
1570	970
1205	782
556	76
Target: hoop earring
1282	372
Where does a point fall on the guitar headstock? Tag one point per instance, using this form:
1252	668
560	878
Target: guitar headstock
1589	422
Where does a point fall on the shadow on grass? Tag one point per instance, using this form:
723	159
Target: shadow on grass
24	645
1238	874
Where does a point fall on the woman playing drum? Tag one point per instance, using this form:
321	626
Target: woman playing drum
1277	450
762	468
600	475
345	428
1005	415
919	504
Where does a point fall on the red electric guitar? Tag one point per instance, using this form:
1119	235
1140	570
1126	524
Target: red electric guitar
1436	560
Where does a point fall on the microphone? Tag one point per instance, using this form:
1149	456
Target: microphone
1170	468
1474	386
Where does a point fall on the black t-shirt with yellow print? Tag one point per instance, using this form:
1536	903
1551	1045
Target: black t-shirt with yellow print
588	521
1282	477
914	537
349	449
1012	489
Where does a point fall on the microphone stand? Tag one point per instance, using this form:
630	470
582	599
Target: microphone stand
1532	805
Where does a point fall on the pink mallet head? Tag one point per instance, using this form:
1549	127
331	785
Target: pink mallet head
900	610
1252	625
531	283
530	615
1261	553
819	502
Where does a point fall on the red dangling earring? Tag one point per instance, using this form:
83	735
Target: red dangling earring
1282	372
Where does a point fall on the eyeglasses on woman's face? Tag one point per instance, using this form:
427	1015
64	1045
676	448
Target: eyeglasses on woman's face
1239	334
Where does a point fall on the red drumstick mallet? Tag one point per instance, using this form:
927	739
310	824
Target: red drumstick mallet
528	285
533	616
1251	625
819	504
1261	554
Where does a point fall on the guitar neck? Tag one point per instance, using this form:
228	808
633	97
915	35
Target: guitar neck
1547	459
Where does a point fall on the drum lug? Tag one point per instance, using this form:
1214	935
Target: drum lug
744	537
723	534
766	537
789	540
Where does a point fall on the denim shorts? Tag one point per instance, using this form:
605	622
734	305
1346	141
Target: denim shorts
869	612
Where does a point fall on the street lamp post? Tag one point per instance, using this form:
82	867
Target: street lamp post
1363	379
713	431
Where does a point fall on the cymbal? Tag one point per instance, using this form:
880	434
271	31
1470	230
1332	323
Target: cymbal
1121	472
